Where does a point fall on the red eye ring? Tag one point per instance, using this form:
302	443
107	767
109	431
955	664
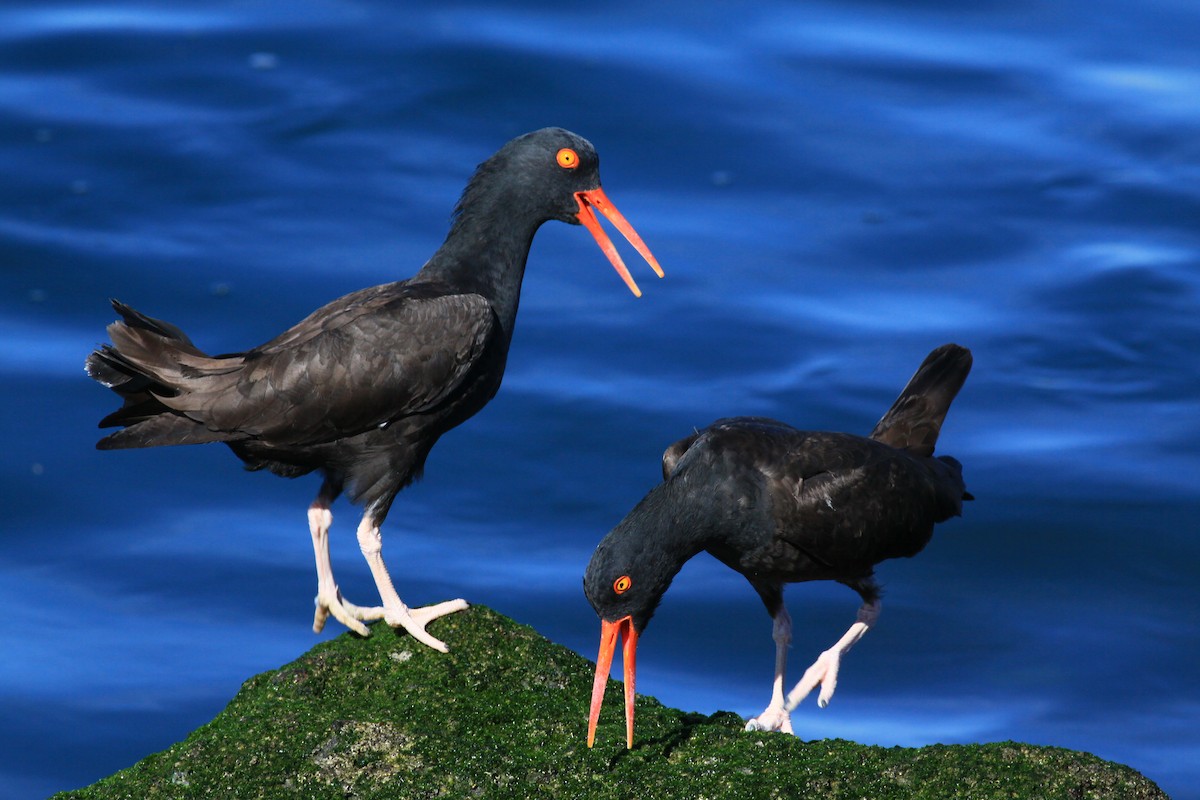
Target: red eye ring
567	158
622	584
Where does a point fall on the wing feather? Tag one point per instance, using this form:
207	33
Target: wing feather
367	360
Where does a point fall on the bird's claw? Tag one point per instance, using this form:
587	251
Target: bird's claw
823	672
414	620
344	612
772	719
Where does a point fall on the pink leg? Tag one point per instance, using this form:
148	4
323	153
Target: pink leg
776	717
395	613
824	670
329	598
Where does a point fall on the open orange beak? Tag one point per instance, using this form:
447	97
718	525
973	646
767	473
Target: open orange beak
609	632
595	198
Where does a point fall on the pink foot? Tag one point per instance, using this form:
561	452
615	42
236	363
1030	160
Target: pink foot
772	719
823	673
345	612
414	620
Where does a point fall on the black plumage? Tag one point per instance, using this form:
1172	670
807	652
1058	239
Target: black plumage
363	387
782	505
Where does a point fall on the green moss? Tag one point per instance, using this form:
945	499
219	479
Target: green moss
504	715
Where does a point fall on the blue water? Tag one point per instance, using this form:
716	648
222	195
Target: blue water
833	190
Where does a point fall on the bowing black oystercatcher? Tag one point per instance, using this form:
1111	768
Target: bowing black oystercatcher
780	505
363	387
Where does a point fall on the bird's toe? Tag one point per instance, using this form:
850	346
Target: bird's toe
350	615
320	615
426	614
414	620
772	719
416	629
823	673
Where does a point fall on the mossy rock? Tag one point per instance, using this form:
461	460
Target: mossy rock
504	715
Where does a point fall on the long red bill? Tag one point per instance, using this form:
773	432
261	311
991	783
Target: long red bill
609	633
595	198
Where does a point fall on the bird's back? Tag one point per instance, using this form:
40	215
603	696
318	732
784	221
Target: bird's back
803	505
798	505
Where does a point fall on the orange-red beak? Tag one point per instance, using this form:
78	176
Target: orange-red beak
595	198
609	632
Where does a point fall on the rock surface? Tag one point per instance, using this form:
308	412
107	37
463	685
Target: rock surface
504	715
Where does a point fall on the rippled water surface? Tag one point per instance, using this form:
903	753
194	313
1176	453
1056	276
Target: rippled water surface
833	190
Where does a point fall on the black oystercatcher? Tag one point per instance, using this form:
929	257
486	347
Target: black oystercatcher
362	388
781	505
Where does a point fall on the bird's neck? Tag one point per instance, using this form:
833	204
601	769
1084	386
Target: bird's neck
665	530
486	250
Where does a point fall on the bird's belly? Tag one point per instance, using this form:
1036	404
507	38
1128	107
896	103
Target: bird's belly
376	463
781	562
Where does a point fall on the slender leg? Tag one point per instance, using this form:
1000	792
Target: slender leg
824	670
776	717
329	598
395	613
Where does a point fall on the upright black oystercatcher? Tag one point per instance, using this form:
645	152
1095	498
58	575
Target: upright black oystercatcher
362	388
781	505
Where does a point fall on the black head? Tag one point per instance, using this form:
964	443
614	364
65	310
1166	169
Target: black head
550	174
549	165
626	579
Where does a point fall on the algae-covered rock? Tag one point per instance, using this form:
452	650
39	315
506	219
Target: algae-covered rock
505	715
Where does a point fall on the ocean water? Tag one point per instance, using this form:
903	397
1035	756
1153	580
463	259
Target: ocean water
833	190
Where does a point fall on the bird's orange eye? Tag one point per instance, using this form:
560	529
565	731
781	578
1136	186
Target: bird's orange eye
622	584
568	158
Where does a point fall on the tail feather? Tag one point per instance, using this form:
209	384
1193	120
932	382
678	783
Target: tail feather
135	410
915	419
133	318
167	427
147	361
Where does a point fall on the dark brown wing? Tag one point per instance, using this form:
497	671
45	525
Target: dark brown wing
852	502
671	456
827	505
363	362
730	432
347	308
